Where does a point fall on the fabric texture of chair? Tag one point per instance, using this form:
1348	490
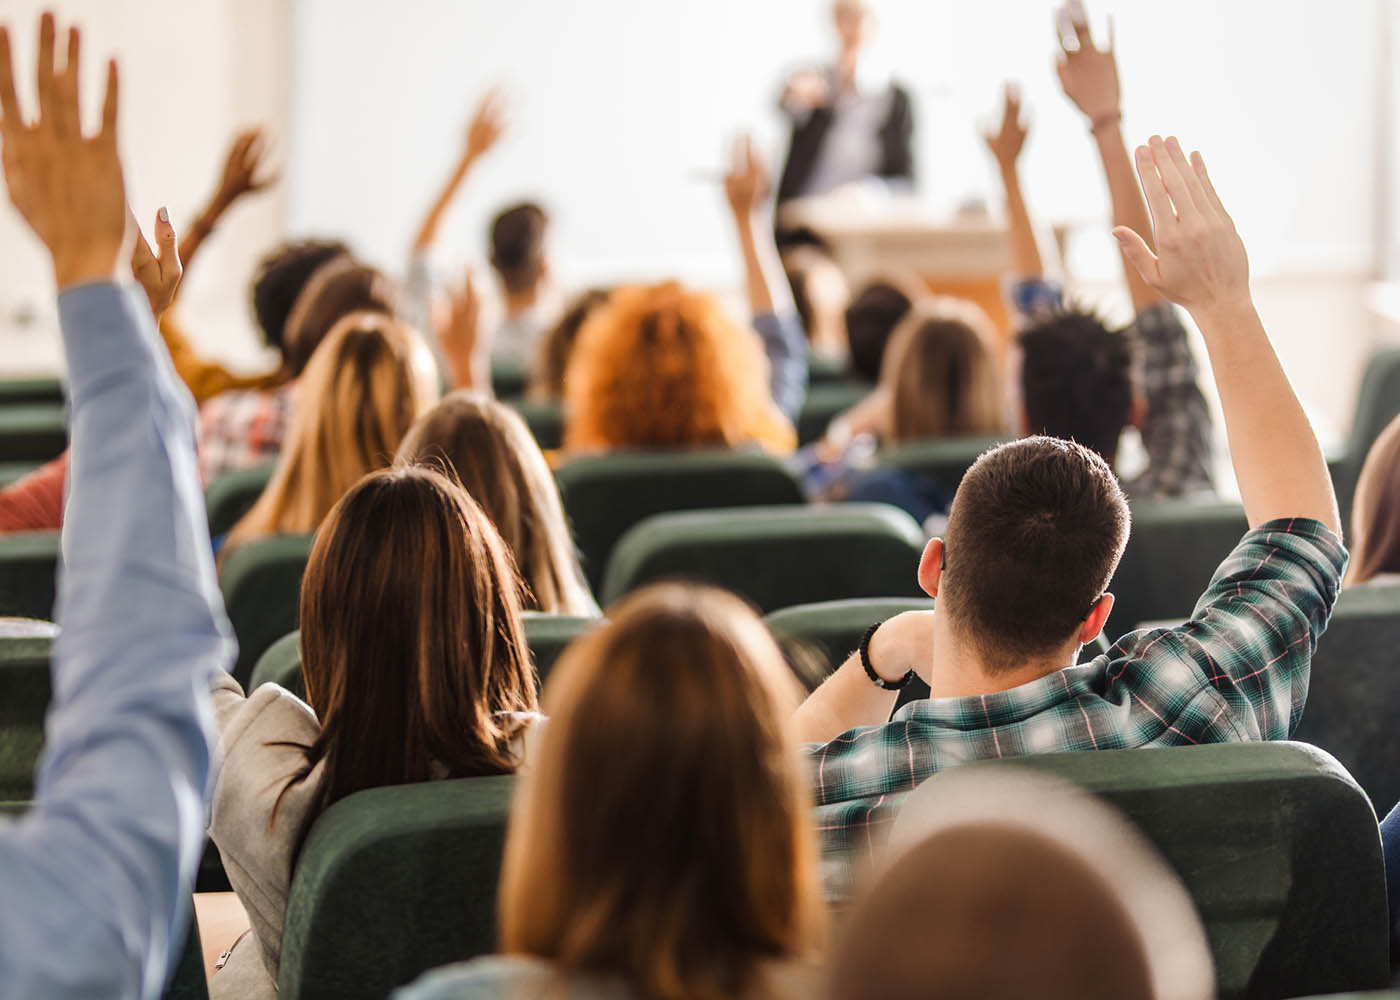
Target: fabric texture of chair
1173	551
393	882
824	403
1354	688
776	557
24	699
833	629
1377	403
261	583
545	420
231	496
1277	846
508	379
31	389
605	495
28	564
32	432
944	461
280	664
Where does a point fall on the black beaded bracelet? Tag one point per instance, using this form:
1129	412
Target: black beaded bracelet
880	682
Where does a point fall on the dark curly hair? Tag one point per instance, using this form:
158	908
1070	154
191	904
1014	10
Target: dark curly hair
281	275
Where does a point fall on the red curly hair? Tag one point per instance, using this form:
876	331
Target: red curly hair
662	366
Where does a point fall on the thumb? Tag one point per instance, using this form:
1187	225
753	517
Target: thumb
167	245
1137	251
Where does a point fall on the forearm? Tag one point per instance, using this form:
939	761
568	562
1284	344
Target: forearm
764	282
846	700
432	222
1278	462
1129	207
1025	253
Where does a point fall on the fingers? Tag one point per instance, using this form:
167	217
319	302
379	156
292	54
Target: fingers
1158	203
1198	167
141	256
67	120
1176	175
168	246
1139	254
9	102
47	86
109	105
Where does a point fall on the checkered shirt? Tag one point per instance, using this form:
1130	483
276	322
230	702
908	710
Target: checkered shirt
243	429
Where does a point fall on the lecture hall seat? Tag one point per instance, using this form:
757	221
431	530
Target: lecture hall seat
28	564
232	495
261	584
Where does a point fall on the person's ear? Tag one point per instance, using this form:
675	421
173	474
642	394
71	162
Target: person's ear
931	567
1096	620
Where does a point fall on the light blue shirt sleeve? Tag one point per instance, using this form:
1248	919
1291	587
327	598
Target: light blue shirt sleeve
785	343
96	877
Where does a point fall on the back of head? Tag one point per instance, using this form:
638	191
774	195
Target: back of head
1076	381
335	290
489	450
357	399
1375	513
1035	532
280	278
941	376
518	246
557	347
871	319
411	637
664	836
661	366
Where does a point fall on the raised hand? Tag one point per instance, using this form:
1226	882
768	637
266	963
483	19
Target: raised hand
1200	261
460	336
157	274
805	91
1088	74
245	168
487	125
68	187
1008	141
746	183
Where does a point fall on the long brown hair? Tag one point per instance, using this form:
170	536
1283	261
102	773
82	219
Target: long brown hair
356	401
941	376
662	366
665	837
1375	512
412	646
493	455
336	289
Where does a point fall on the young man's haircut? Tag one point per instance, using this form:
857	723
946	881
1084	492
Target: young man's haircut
1076	380
1035	532
517	246
870	321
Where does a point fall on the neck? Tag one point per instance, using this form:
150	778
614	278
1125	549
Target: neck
959	670
518	302
846	65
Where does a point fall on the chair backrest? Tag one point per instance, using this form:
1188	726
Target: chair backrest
31	389
833	629
393	882
1354	687
1377	403
508	379
1173	551
32	432
28	564
231	496
943	460
24	700
1277	846
605	495
261	583
280	664
545	420
776	556
824	403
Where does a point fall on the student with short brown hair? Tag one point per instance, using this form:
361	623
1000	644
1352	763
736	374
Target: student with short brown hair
662	846
416	669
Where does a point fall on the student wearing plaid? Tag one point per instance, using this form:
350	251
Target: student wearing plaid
1035	532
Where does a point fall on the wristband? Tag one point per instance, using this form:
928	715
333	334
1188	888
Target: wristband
880	682
1103	121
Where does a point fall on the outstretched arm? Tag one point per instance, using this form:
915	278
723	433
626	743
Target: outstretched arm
1005	145
485	128
1200	263
245	172
104	861
1089	76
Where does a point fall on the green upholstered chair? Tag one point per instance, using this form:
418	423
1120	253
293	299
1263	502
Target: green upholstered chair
1377	403
1277	846
31	389
24	699
545	420
508	379
32	432
943	460
230	496
776	556
392	882
261	583
824	403
1173	551
1354	688
28	563
605	495
280	664
12	471
827	371
831	630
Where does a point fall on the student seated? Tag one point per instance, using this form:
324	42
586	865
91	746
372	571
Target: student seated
96	875
662	845
663	366
416	669
1375	518
871	319
557	346
1034	535
1077	377
370	379
244	429
486	447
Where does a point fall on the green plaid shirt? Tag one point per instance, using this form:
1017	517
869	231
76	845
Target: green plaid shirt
1238	670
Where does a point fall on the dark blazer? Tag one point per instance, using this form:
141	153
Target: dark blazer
808	137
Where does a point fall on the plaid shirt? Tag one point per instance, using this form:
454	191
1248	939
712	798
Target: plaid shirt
1177	430
1238	670
243	429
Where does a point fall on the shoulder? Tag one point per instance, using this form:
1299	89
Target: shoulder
271	722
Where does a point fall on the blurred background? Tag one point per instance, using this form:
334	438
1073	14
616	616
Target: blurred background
622	111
